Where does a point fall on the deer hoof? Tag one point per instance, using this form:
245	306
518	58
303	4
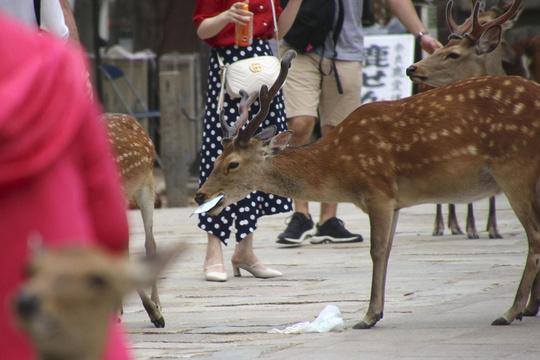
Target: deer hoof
437	233
530	312
495	236
473	236
500	321
159	323
364	325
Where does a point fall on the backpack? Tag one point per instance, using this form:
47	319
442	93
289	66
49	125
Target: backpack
315	19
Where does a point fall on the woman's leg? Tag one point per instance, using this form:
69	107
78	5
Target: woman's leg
214	270
243	253
244	258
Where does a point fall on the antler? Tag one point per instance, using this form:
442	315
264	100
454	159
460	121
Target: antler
265	98
478	29
458	31
243	107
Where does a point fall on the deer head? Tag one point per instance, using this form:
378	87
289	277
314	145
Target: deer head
473	47
237	142
68	299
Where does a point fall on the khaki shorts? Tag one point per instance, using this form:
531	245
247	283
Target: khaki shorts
310	93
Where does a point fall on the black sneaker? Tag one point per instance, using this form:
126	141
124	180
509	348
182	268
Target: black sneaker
333	231
299	228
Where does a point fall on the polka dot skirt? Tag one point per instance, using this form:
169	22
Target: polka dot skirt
243	214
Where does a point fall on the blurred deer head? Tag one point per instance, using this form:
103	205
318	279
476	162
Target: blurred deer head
67	302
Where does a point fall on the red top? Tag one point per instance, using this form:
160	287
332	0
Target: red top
263	23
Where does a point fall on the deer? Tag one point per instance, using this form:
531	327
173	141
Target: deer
454	144
474	49
135	155
66	303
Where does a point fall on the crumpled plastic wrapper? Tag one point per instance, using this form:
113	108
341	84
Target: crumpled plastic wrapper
328	320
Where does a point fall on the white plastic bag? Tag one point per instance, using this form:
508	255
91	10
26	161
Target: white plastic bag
329	319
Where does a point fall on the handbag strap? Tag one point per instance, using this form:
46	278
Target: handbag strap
276	34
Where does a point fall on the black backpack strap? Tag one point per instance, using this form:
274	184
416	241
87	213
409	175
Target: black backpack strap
37	10
335	37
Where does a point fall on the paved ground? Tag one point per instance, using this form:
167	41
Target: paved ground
442	294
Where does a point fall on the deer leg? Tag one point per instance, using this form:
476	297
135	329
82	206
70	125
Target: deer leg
528	214
492	221
453	224
534	300
145	198
383	226
471	223
438	230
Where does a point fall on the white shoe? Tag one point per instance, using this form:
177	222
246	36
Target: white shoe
214	275
259	273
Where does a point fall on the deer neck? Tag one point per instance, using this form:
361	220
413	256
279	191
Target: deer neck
303	173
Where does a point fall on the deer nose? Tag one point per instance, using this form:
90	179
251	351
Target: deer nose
410	70
27	305
199	198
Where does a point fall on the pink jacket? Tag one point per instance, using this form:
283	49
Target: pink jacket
57	176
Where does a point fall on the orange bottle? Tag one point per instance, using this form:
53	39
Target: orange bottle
244	33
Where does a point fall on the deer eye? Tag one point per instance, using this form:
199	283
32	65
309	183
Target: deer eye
97	281
453	56
233	165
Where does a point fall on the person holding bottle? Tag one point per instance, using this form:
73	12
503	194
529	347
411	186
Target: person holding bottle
216	22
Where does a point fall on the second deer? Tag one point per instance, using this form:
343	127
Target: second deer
135	156
455	144
474	49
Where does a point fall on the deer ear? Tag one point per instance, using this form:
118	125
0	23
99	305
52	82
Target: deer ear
277	143
266	134
144	272
489	40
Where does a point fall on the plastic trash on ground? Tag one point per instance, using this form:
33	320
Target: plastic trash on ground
328	320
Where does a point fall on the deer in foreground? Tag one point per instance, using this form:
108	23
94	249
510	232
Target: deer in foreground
455	144
67	302
474	49
135	155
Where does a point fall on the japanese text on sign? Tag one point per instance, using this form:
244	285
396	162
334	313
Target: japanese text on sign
385	59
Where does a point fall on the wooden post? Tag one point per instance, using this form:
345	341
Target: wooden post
175	139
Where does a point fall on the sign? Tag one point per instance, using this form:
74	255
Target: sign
385	59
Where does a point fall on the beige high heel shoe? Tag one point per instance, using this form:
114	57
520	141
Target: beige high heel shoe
214	275
258	273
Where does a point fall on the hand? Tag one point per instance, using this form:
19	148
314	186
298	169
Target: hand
238	16
429	44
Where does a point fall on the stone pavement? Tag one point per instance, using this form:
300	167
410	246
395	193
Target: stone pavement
442	294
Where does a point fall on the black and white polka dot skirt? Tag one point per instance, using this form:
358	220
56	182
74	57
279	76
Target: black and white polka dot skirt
243	214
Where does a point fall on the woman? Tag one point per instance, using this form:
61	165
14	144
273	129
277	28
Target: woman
215	21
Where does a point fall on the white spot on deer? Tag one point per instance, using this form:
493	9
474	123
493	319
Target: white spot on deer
461	97
434	136
356	138
472	150
449	98
346	157
498	95
518	108
458	130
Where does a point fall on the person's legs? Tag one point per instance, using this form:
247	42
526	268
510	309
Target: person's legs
334	108
300	225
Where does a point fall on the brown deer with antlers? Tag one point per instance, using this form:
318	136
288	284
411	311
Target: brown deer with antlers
474	49
135	155
455	144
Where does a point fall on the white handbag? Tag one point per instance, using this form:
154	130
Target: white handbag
251	73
